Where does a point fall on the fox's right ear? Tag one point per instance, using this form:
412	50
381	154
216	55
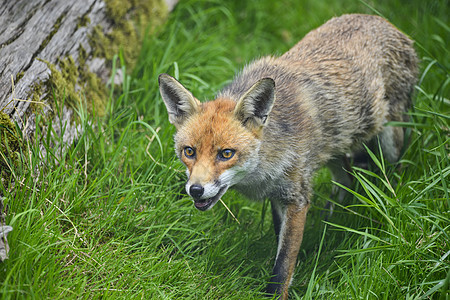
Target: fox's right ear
180	103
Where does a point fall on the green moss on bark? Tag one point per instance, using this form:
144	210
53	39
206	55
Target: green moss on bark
76	85
10	145
83	21
130	20
19	76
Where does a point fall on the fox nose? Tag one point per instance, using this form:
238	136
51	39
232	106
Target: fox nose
196	191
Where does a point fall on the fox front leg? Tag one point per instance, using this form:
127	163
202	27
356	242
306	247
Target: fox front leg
277	216
289	241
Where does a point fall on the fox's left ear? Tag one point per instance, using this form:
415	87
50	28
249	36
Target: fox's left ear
180	103
254	107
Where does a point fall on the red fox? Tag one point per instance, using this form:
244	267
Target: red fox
282	118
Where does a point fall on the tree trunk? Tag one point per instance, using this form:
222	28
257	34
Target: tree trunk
38	38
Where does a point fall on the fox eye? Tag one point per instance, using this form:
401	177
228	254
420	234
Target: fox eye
226	154
189	152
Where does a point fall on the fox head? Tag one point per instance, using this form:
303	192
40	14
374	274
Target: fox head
218	141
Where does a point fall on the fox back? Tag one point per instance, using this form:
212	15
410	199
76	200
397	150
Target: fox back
282	118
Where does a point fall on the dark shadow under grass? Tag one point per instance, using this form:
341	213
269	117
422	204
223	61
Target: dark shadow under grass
108	219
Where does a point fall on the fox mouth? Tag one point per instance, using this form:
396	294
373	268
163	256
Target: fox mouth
205	204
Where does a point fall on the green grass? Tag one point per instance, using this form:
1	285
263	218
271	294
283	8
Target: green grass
108	219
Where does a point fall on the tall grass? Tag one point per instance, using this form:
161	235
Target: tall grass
109	218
